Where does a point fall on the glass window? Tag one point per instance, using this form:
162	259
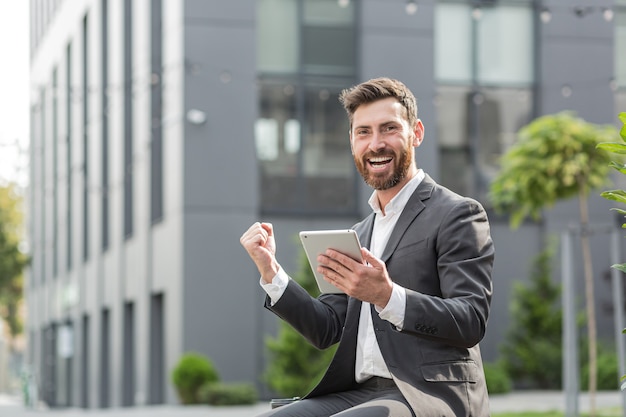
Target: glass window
277	36
475	128
156	114
301	134
305	157
328	43
491	45
278	108
266	134
326	156
452	112
484	69
86	140
279	166
505	45
128	117
453	52
317	35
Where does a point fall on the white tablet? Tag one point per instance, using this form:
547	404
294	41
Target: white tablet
316	242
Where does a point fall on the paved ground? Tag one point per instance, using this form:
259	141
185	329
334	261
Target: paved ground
517	401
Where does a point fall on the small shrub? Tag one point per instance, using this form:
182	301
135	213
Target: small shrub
228	394
498	380
608	371
192	372
532	349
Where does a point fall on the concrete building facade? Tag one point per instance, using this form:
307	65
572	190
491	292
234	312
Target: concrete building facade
161	129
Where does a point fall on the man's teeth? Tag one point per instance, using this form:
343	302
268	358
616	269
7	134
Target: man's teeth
380	160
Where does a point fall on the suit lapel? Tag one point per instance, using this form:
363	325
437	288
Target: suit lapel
364	230
413	207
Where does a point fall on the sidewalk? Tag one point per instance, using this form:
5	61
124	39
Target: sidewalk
551	400
513	402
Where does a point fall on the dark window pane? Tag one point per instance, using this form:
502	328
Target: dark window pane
277	143
327	161
301	135
328	49
453	140
328	43
475	129
305	157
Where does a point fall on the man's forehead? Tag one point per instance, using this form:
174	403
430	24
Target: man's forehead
380	111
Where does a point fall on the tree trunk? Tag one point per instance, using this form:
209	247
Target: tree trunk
590	301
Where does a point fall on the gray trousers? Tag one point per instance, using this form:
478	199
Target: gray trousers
376	397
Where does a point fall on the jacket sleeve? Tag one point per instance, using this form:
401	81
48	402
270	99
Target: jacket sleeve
320	320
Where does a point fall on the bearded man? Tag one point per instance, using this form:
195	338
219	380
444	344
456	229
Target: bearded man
411	315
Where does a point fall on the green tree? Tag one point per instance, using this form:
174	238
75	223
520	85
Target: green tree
532	352
555	158
618	195
12	260
296	365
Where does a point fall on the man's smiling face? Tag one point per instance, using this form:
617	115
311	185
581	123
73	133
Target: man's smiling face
382	143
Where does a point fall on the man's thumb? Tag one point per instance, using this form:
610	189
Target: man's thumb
369	258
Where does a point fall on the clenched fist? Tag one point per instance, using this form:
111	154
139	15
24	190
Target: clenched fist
259	242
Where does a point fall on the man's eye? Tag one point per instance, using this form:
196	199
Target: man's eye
389	128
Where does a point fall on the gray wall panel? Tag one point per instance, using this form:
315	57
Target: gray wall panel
220	163
222	299
220	9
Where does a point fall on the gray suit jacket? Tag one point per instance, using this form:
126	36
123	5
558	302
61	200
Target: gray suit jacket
442	253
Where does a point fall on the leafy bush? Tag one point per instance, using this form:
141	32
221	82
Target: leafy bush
192	372
498	380
296	365
228	394
532	351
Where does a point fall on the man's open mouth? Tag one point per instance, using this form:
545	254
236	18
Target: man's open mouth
379	161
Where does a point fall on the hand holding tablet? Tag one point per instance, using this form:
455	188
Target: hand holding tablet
317	242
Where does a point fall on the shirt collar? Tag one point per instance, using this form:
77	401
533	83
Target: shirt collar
398	202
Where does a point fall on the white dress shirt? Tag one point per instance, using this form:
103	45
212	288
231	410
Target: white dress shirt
369	360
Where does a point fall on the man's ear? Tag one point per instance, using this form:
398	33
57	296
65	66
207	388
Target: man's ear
418	133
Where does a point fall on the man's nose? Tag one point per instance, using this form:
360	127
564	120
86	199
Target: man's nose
377	143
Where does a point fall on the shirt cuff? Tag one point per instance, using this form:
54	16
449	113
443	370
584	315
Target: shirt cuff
277	287
395	308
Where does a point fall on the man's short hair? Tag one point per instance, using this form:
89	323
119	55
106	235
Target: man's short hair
378	89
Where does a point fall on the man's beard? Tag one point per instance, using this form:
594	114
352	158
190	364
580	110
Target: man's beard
385	181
